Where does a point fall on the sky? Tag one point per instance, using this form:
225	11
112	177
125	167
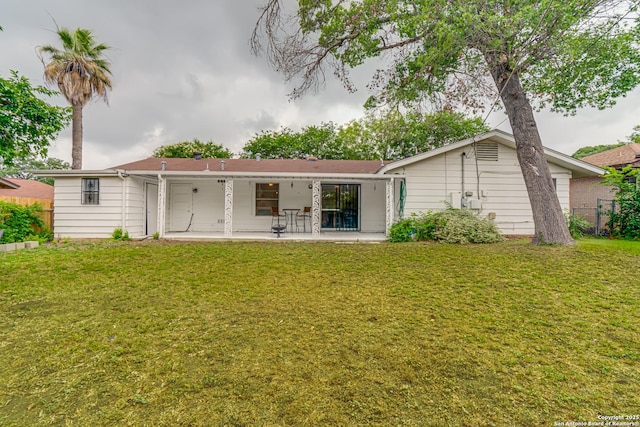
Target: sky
183	70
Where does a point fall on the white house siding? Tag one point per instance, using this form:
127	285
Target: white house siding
75	220
373	208
431	183
244	217
135	207
208	204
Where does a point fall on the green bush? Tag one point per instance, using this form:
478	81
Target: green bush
118	234
624	222
449	226
577	224
21	223
416	227
463	226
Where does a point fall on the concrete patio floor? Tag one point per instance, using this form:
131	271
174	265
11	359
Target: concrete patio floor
326	236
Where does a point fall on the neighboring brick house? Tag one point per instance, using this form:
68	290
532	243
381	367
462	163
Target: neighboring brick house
585	192
28	192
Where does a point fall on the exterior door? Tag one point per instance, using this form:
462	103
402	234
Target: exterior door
341	207
181	207
152	209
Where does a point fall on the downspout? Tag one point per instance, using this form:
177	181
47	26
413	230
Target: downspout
124	199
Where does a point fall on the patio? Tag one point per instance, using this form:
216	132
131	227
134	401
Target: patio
330	236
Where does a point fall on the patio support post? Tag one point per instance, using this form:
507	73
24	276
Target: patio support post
390	198
228	207
123	204
316	207
162	191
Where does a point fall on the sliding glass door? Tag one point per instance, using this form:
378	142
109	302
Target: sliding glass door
341	207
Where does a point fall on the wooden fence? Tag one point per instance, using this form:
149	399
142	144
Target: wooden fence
47	206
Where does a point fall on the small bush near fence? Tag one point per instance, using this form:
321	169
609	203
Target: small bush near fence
448	226
578	225
624	222
21	223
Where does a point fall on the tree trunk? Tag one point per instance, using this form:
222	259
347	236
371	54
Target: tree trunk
548	218
76	137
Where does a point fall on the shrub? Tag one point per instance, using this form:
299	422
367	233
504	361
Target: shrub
416	227
577	224
449	226
624	222
463	226
119	235
21	223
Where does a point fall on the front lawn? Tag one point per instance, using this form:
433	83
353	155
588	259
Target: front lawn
319	334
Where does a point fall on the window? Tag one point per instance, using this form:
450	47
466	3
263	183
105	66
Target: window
90	191
266	197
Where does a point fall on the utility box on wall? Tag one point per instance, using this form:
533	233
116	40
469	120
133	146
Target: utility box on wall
455	199
475	204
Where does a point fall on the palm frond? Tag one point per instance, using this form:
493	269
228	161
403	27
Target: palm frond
78	69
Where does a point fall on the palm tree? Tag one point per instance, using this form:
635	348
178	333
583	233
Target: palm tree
80	72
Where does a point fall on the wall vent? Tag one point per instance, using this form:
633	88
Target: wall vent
487	152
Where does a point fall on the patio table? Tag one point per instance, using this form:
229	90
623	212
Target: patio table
291	217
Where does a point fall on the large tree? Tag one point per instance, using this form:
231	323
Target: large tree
564	54
81	72
390	136
395	135
186	149
316	140
28	124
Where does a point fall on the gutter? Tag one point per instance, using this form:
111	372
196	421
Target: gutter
263	175
73	172
212	174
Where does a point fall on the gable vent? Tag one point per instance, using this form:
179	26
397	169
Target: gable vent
487	152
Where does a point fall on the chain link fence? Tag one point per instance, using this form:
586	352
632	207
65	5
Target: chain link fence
597	216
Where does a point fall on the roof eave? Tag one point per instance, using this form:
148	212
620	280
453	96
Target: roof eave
495	134
210	174
505	139
256	175
8	184
73	172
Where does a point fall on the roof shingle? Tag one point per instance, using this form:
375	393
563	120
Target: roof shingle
28	188
616	157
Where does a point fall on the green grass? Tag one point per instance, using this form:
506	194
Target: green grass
319	334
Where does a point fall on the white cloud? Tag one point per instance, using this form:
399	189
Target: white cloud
183	70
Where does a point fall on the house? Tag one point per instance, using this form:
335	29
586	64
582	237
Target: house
592	200
483	174
7	184
14	188
233	197
27	192
616	158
